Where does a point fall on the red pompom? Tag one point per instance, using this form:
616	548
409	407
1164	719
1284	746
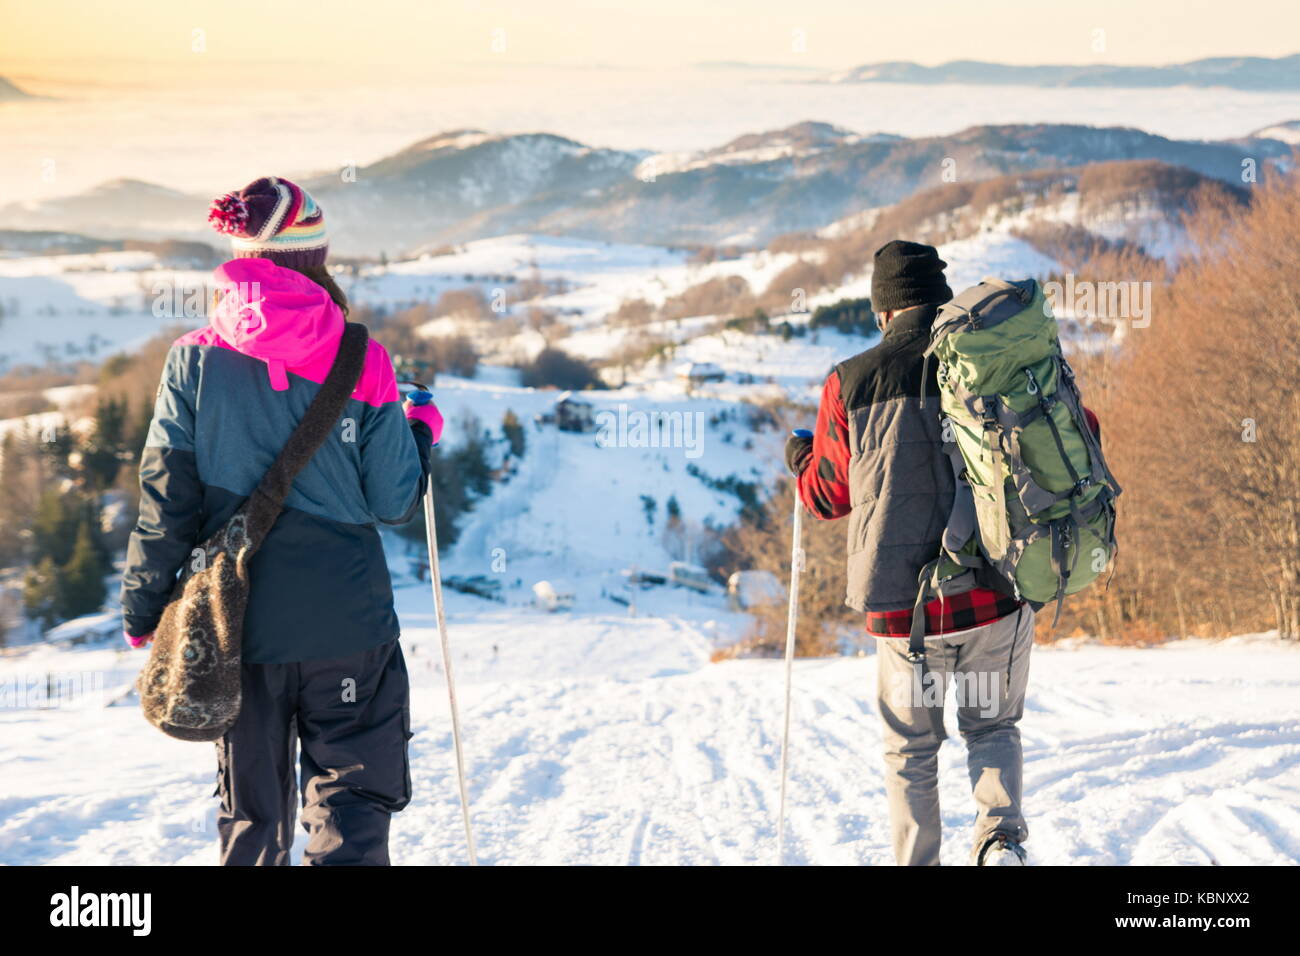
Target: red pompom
228	214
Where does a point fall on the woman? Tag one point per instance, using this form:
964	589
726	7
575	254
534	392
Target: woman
321	662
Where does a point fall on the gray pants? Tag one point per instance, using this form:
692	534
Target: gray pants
351	717
990	667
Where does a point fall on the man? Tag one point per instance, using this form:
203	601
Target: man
876	457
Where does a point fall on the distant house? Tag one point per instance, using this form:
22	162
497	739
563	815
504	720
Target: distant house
697	373
691	576
479	585
573	414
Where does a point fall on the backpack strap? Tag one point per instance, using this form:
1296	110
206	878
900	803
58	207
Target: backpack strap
916	646
267	500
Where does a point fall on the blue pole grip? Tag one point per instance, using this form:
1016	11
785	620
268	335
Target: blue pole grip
420	397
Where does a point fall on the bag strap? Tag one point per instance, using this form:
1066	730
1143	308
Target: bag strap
916	653
316	424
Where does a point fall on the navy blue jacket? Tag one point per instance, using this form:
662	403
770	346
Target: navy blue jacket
231	394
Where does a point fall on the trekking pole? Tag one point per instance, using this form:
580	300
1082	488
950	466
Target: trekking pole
792	622
422	397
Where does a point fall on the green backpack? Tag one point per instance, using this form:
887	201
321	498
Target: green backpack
1035	501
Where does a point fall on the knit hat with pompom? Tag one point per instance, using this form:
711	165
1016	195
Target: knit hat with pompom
272	218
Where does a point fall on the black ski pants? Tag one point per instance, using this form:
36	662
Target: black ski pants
352	717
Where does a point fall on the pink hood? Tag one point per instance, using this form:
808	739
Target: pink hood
279	316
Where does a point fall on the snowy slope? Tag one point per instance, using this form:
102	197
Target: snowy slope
991	253
577	502
599	275
87	307
596	738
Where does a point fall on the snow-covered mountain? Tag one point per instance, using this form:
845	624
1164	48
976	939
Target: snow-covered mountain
445	187
801	139
779	188
1139	203
468	184
1234	72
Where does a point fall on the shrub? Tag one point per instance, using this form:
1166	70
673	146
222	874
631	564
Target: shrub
555	368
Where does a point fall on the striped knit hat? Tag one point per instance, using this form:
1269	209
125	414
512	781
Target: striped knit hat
272	218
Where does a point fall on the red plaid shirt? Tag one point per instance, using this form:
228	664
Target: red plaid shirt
945	615
824	489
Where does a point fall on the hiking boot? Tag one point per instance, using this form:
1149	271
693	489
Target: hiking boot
1001	850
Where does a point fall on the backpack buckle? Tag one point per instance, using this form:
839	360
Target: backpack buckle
989	413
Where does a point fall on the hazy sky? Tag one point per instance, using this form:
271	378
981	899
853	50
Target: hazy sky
378	41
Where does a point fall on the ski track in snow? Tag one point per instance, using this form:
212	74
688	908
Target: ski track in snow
599	739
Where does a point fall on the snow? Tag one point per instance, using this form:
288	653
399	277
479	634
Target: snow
69	308
38	423
577	501
88	307
663	164
989	253
602	275
86	627
595	738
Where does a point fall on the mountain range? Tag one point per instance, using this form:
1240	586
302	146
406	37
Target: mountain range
1234	72
468	184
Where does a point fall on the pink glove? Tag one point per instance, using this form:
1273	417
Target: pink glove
137	641
427	413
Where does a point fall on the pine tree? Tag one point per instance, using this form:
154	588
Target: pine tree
40	592
54	447
102	457
471	458
450	501
54	528
513	430
80	583
449	498
15	512
649	506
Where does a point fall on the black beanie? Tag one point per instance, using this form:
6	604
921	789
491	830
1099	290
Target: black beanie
907	274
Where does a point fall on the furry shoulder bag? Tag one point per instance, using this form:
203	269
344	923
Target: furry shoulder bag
189	688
